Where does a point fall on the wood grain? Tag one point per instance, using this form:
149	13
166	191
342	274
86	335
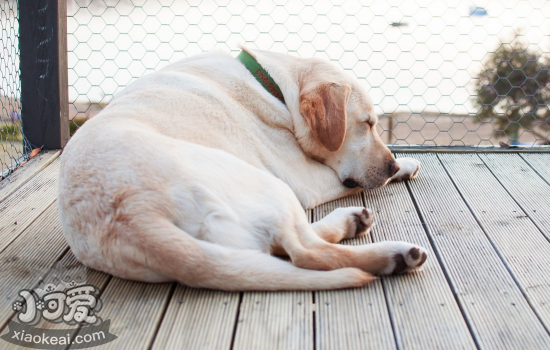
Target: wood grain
44	72
423	310
135	310
26	204
352	318
487	293
198	319
540	162
511	232
26	172
530	191
23	262
95	278
275	320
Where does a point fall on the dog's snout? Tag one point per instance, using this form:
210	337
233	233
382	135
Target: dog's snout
394	168
350	183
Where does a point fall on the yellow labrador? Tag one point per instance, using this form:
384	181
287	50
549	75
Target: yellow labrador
199	172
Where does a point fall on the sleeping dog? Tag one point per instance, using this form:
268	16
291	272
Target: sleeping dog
199	172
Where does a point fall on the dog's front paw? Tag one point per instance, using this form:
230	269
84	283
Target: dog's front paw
408	169
403	257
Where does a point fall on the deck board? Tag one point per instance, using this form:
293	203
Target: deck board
530	191
540	163
423	309
352	318
275	320
487	293
198	319
95	278
135	310
485	218
22	263
24	267
23	206
512	233
31	168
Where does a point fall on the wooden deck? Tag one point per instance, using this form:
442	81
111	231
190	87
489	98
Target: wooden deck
484	217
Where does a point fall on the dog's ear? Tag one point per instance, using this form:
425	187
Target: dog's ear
324	108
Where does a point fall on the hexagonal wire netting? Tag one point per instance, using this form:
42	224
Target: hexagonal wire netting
12	145
439	72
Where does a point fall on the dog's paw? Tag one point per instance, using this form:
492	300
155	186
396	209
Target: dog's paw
355	221
344	223
408	169
360	222
403	257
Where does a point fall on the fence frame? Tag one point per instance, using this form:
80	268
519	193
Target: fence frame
44	72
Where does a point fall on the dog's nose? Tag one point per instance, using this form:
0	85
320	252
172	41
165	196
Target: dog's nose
350	183
394	168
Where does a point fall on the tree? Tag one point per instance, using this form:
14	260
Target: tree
514	92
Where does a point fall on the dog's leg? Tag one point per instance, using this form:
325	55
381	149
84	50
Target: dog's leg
175	255
307	250
344	223
408	169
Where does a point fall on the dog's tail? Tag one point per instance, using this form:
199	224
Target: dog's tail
202	264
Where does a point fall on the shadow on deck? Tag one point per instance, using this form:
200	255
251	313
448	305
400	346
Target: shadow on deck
484	217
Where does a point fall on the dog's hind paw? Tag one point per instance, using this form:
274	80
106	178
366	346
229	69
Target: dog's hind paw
403	257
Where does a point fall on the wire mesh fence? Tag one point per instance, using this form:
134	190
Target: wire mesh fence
440	72
12	148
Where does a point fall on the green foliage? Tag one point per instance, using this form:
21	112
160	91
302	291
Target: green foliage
513	92
11	132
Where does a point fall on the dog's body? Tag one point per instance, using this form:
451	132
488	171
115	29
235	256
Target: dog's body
196	173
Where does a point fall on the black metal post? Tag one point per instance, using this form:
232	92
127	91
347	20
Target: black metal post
44	79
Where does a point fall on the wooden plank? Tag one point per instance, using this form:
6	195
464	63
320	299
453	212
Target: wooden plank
198	319
351	318
525	251
275	320
36	249
44	73
488	295
423	309
20	209
93	277
135	310
529	190
540	163
141	303
26	172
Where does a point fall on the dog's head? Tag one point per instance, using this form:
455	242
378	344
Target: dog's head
333	117
341	127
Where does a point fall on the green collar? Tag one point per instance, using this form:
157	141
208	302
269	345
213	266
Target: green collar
261	75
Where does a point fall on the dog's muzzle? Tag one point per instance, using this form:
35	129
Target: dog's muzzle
350	183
